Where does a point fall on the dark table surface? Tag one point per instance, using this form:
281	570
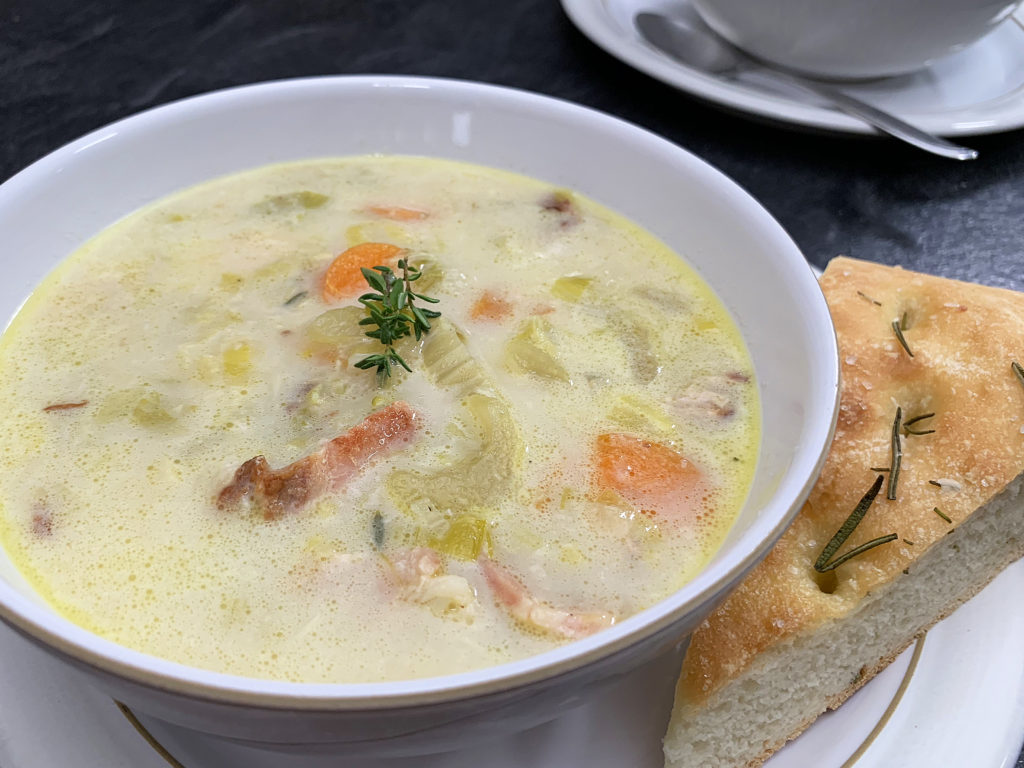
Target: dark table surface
67	67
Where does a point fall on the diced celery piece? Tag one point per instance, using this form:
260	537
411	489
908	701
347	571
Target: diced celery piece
636	336
431	274
143	406
293	201
237	360
337	334
482	475
447	360
570	288
378	232
480	478
336	326
639	415
279	268
571	554
230	282
308	199
149	411
465	539
530	351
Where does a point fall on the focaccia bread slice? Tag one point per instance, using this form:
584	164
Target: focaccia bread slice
791	641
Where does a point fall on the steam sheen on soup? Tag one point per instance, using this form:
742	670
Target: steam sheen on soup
192	465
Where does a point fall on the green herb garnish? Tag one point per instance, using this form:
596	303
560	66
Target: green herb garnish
865	296
907	424
823	563
896	447
879	469
1017	369
943	515
378	530
898	330
392	311
296	298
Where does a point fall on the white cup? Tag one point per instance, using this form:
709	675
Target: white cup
853	39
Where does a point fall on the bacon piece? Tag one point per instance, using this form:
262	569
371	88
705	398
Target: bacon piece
42	520
522	606
413	566
275	492
418	576
397	213
65	406
562	203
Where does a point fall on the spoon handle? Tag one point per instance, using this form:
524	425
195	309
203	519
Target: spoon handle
883	121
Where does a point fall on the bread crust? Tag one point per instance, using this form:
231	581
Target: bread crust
963	338
868	673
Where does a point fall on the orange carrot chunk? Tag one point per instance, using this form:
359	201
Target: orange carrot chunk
650	476
397	213
491	307
344	279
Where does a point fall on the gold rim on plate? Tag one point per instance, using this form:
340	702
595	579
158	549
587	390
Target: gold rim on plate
858	753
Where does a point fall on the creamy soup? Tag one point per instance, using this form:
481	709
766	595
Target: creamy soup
195	465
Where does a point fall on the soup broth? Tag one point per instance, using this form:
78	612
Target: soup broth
194	466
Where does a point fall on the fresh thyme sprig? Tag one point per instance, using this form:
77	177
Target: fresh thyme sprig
823	563
392	311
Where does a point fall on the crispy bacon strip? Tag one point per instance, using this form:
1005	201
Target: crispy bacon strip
275	492
522	606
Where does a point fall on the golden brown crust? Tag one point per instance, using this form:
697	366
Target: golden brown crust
963	338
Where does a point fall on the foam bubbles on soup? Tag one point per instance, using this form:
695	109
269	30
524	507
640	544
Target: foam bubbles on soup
578	432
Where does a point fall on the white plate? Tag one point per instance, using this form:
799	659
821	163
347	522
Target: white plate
977	90
956	699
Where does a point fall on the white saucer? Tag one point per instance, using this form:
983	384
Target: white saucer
979	89
956	699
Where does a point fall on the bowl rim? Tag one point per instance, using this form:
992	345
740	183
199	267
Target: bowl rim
80	646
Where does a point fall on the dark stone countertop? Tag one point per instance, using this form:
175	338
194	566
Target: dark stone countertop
68	67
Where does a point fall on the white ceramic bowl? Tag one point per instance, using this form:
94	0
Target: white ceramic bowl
50	208
853	39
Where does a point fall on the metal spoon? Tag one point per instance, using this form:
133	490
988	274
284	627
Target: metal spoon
690	41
